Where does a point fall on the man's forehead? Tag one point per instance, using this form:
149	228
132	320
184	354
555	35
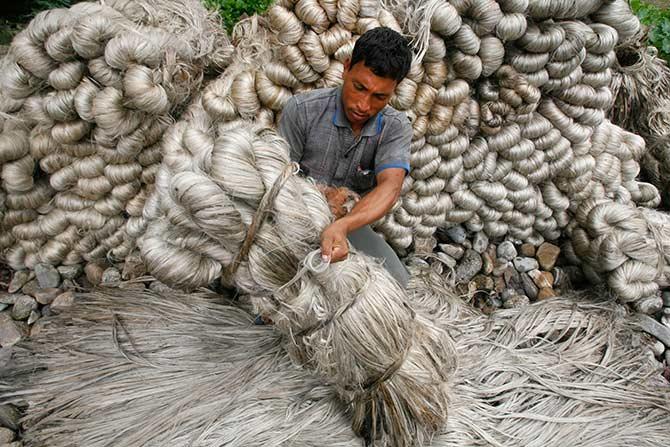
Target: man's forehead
363	74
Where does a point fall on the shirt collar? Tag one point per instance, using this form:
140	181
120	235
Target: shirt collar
371	128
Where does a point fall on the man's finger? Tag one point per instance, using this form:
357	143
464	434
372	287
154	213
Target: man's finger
326	249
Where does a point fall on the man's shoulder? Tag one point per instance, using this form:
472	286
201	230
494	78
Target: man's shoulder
395	117
320	96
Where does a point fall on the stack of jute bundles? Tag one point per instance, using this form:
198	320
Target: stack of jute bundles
87	94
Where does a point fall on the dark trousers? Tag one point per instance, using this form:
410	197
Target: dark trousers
367	241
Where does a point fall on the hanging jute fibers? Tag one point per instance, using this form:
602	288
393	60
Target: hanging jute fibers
508	102
130	368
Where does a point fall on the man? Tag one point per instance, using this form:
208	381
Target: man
349	136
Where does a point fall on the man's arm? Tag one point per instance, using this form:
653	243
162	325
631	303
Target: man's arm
373	206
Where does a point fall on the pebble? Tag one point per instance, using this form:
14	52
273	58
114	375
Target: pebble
658	348
93	273
63	301
133	266
649	305
70	271
666	298
69	284
6	435
559	276
516	301
480	242
19	280
455	251
527	250
529	286
446	260
487	264
10	333
547	254
506	251
665	321
416	262
512	278
545	293
483	282
31	287
469	266
160	287
457	234
667	357
110	275
524	265
8	298
541	279
47	275
499	267
3	306
46	296
23	306
506	294
9	417
34	316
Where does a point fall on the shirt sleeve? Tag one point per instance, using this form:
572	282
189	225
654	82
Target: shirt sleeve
393	150
292	129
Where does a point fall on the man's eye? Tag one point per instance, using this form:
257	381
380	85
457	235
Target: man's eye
358	86
381	97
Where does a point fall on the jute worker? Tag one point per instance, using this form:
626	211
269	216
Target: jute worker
349	136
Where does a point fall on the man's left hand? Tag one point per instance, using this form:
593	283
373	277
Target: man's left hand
334	243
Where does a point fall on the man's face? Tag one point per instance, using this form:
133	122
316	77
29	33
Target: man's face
364	93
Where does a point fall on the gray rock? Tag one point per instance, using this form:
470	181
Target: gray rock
455	251
457	234
487	267
666	298
499	267
19	280
10	333
480	242
8	298
651	326
111	275
516	301
63	301
34	316
46	296
47	275
506	251
446	260
496	302
667	357
46	311
658	348
665	320
529	286
30	288
649	305
469	266
507	294
70	271
23	306
523	265
94	273
417	262
6	435
9	417
3	306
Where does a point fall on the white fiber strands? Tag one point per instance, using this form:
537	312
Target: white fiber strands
86	94
228	205
178	370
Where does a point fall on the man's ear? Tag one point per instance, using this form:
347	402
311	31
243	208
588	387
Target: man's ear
347	64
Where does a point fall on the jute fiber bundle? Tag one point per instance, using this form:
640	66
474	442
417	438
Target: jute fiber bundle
191	369
229	206
87	93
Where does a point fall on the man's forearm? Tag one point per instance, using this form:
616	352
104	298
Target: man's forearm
372	207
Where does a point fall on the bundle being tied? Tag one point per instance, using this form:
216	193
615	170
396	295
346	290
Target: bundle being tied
228	205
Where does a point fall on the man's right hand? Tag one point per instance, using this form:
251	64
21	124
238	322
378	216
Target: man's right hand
334	243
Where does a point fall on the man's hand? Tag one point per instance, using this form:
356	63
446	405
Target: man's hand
334	243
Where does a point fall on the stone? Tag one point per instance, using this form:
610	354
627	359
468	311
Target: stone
487	264
559	277
483	302
649	305
30	288
506	294
446	260
658	348
46	311
457	234
499	284
8	298
480	242
467	244
160	287
47	275
547	254
512	277
110	275
9	417
516	301
23	306
3	306
652	327
69	284
527	250
506	251
46	296
483	282
134	267
412	262
6	435
34	316
19	279
529	286
545	293
541	279
496	302
666	298
469	266
70	271
499	267
93	273
10	333
63	301
455	251
524	265
423	246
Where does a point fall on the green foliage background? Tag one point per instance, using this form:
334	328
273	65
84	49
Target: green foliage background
657	18
232	10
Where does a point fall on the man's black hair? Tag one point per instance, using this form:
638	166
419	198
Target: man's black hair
385	52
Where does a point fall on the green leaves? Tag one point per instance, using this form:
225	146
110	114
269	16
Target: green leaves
658	21
231	10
